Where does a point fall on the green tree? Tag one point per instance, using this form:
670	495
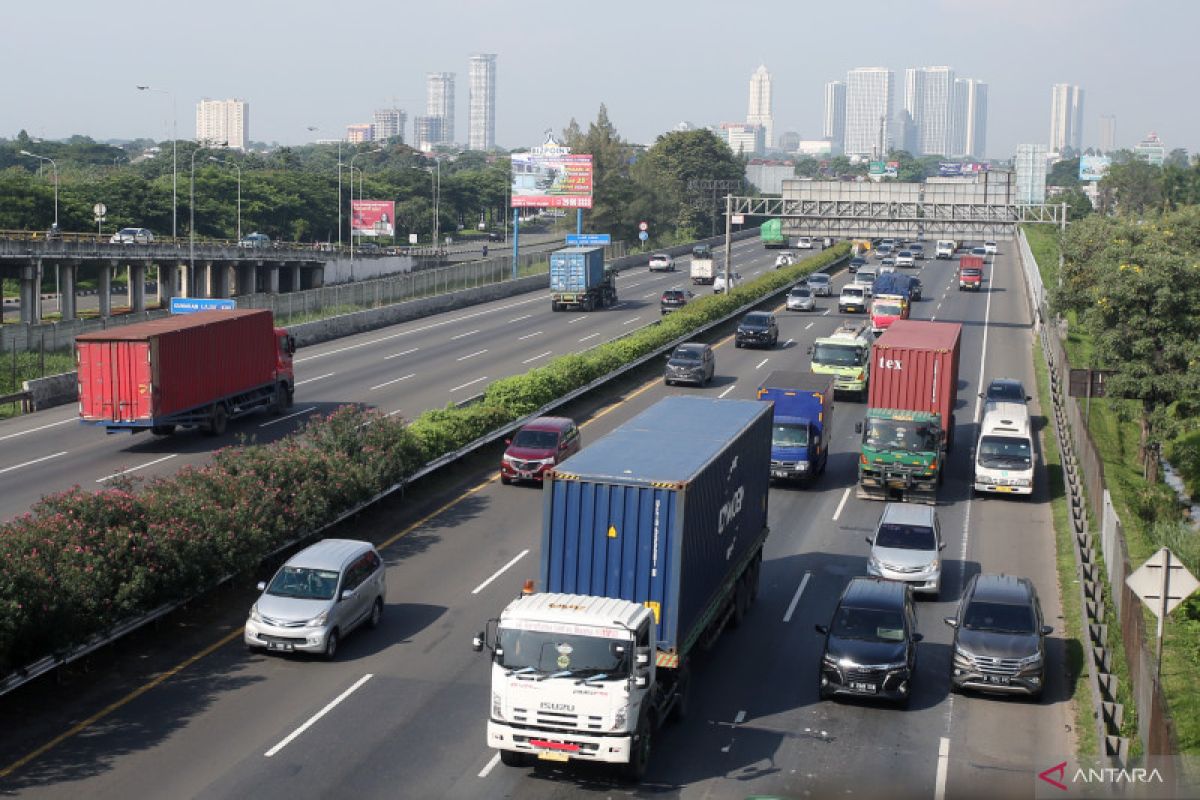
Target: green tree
1078	204
1134	186
1064	173
671	165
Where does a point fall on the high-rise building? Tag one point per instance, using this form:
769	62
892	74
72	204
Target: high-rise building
390	123
1108	133
1030	165
904	133
1066	117
427	133
439	102
223	123
969	130
760	112
481	102
744	138
868	111
928	95
1151	150
789	141
835	114
360	132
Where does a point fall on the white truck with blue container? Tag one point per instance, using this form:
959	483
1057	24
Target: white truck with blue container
579	279
652	541
803	419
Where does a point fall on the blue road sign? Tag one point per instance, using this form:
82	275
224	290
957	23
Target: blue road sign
190	305
643	236
588	239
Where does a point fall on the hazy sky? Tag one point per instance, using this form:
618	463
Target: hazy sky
71	66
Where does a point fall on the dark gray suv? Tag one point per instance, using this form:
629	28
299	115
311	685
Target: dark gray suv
999	637
692	362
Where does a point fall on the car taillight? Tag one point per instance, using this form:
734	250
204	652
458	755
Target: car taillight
862	459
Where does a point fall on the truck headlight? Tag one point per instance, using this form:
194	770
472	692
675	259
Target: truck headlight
496	709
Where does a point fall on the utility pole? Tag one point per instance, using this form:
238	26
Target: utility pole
728	241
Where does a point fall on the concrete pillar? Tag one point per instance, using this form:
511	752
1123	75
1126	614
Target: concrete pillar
296	285
168	282
204	280
273	279
218	280
104	288
68	271
30	291
246	278
137	286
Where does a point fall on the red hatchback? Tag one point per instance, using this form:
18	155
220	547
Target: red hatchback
537	447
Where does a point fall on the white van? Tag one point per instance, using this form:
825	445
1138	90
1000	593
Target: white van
865	277
945	249
1004	457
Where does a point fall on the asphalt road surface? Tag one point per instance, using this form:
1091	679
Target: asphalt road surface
402	712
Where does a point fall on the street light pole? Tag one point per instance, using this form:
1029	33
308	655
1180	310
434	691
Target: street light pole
356	155
174	158
192	225
55	166
238	167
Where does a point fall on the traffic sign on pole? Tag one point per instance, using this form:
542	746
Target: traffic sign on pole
1162	583
643	236
588	239
643	225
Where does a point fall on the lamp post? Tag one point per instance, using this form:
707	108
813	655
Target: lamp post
55	166
238	167
437	196
356	155
192	224
174	158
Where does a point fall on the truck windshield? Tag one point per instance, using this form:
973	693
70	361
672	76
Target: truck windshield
548	653
1000	452
838	355
789	435
888	309
915	437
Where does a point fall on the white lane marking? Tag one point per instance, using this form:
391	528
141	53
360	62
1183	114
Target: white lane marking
590	336
469	383
289	416
727	391
939	305
39	428
842	504
827	312
464	335
404	353
809	325
518	319
313	719
529	336
650	294
34	461
790	341
987	316
428	327
630	321
499	572
759	364
318	378
931	319
539	355
389	383
740	718
631	285
796	597
577	319
471	355
135	469
491	765
939	786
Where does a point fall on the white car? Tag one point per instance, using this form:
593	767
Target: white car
132	236
801	298
907	547
804	243
719	282
990	248
906	258
661	262
784	259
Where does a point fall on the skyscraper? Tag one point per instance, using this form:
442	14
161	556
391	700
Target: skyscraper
223	122
389	123
481	102
835	115
1066	117
868	111
969	131
760	112
439	102
427	133
1108	133
928	92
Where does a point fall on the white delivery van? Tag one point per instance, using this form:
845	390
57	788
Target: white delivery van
945	248
1004	457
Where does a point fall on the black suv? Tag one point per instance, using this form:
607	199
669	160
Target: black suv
871	642
673	300
692	362
999	637
757	329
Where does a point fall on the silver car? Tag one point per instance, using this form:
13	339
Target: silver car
319	596
820	285
662	262
801	298
907	547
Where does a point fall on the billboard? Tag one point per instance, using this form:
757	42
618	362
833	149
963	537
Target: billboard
893	169
1093	168
372	218
876	168
552	178
947	169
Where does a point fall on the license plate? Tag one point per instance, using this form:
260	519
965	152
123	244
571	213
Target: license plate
859	686
1004	488
288	646
552	756
526	476
896	484
1001	680
778	473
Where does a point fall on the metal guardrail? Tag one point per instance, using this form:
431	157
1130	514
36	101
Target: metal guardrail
25	399
28	673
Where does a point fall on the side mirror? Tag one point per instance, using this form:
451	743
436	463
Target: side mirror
291	343
918	637
562	445
1027	398
1047	630
869	541
981	395
262	586
821	629
810	349
858	427
951	621
642	657
347	594
508	441
641	681
942	546
477	642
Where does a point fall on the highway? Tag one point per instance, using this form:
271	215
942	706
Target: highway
402	712
403	369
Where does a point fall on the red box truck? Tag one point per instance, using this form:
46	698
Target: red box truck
193	370
970	273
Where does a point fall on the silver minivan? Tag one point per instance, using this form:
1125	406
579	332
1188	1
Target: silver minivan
907	547
319	596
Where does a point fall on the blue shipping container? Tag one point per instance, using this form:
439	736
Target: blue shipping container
893	284
576	269
663	511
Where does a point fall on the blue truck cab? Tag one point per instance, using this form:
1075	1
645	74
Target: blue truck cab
803	417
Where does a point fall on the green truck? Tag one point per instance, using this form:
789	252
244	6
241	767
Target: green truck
772	234
846	355
909	425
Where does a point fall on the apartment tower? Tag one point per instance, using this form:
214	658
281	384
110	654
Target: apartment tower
481	102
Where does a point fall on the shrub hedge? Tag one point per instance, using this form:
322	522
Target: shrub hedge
81	562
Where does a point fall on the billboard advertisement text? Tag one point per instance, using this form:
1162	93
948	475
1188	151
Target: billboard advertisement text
551	180
372	217
1093	168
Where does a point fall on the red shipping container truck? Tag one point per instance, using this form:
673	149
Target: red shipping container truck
199	369
914	367
970	273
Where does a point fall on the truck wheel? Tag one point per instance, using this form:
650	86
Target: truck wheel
740	603
756	570
162	430
279	402
639	756
511	758
218	422
683	691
